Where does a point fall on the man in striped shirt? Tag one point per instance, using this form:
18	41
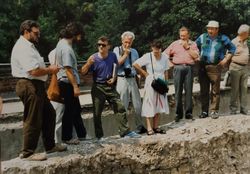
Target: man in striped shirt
213	47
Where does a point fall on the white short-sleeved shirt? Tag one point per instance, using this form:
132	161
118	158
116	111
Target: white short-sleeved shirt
66	58
160	66
52	57
24	58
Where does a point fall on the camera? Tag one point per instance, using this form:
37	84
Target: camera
127	72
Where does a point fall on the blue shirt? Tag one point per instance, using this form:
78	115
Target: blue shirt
127	64
103	67
214	50
66	58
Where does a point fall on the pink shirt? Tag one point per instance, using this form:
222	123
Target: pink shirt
179	54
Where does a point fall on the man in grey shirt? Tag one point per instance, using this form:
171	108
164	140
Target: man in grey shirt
69	81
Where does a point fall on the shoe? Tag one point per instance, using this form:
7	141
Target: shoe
72	142
132	134
159	131
214	115
57	148
244	112
189	116
25	155
141	130
150	132
178	118
34	157
87	138
203	115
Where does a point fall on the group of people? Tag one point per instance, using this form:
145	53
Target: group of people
115	80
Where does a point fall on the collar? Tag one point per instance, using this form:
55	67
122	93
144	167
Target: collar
189	42
26	41
240	41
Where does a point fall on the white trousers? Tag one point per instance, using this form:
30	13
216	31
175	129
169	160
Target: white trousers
127	87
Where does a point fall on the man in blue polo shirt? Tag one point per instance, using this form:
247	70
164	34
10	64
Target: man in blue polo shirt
213	47
103	65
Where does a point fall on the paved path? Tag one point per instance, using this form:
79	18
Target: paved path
85	98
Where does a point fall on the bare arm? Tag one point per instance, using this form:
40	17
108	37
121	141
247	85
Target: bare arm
85	68
72	80
124	56
190	51
166	75
52	69
140	70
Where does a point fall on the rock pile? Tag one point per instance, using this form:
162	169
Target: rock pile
202	146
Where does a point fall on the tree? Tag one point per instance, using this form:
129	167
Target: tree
109	20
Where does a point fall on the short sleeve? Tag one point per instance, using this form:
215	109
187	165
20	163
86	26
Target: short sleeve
67	58
144	60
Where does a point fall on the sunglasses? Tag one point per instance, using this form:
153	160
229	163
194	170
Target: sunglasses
100	44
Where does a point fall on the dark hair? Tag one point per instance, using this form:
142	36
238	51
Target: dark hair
156	44
104	39
71	30
184	29
27	25
61	33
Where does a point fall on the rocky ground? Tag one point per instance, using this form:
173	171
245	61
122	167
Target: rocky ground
203	146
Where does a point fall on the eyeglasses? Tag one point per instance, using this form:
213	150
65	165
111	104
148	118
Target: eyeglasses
100	44
37	33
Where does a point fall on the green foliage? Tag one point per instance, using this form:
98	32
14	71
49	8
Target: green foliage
109	20
149	20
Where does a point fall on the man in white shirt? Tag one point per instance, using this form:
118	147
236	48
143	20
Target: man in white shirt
39	115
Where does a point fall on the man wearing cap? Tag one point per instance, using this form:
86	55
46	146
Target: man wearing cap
239	71
213	47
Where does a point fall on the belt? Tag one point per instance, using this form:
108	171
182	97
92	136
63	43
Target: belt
241	64
101	83
184	64
125	76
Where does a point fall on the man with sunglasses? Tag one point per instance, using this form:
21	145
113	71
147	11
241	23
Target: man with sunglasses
39	116
126	80
103	65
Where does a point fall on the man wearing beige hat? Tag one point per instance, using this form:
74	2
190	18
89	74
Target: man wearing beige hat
239	71
213	47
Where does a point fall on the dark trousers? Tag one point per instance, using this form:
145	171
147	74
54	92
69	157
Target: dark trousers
100	93
72	113
209	74
183	78
39	115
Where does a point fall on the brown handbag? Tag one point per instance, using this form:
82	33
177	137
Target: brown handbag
53	91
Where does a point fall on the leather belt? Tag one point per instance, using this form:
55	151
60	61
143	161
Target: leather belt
241	64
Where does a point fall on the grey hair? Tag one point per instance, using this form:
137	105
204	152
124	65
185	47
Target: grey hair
243	28
128	34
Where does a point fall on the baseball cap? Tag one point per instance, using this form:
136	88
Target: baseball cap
214	24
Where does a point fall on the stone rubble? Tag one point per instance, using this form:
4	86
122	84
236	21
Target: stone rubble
203	146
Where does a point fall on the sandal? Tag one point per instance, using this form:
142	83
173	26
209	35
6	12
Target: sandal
150	132
159	131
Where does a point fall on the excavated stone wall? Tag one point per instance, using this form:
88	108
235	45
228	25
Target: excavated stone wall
203	146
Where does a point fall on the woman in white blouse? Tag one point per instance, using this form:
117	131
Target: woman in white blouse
154	103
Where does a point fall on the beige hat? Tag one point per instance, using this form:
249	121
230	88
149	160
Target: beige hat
214	24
